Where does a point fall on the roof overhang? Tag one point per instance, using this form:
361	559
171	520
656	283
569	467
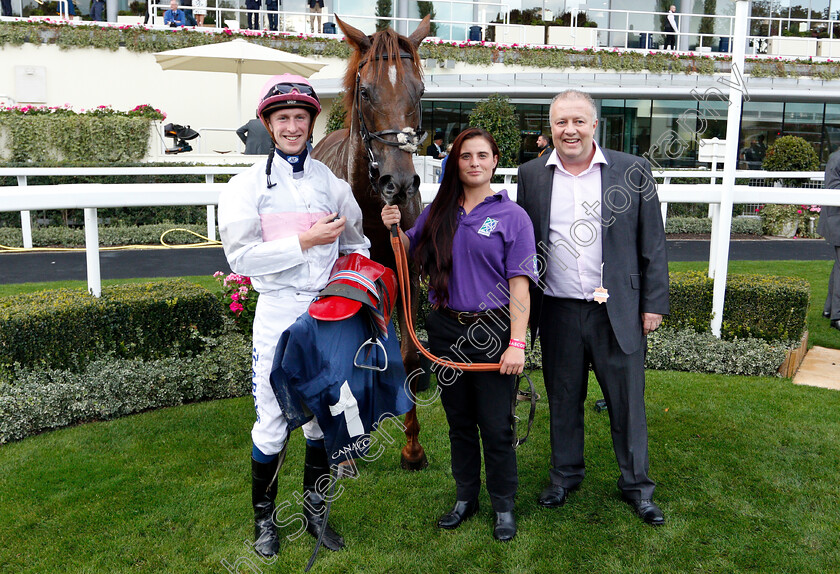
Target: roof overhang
612	85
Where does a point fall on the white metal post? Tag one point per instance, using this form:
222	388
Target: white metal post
92	252
733	121
714	215
25	219
211	213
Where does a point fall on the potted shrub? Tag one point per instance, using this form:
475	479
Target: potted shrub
788	153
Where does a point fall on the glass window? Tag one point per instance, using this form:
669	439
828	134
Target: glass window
349	8
805	121
533	121
760	122
831	131
673	132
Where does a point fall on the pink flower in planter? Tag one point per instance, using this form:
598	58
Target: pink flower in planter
236	307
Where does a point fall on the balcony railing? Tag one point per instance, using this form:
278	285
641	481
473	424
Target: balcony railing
623	29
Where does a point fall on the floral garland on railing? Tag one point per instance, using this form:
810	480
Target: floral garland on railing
139	38
41	134
142	111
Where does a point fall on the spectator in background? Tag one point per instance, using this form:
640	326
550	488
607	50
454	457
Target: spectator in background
829	227
443	163
174	17
542	145
272	6
671	29
760	147
253	15
435	149
188	13
256	138
97	11
6	6
200	11
315	7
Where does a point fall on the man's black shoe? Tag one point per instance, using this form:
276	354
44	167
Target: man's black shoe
505	527
553	496
835	324
647	511
826	314
462	510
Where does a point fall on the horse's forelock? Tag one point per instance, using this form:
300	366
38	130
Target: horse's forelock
385	43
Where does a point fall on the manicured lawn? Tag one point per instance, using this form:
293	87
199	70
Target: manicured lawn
746	468
206	281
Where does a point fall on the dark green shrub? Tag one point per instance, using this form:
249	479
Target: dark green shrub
791	153
759	306
498	116
337	118
37	399
68	328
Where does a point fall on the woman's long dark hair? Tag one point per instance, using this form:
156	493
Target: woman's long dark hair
433	253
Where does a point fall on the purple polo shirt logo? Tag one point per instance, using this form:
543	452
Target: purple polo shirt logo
488	226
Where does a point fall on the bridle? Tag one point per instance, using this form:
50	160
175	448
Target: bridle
407	139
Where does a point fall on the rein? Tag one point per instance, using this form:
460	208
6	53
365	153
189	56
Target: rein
407	139
405	292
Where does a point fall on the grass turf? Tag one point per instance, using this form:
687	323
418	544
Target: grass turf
746	471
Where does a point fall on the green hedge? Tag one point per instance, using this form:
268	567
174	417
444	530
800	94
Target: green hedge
759	306
115	215
687	350
40	399
74	138
740	225
68	328
118	235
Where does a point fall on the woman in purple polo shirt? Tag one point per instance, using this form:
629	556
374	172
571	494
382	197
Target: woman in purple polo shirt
476	249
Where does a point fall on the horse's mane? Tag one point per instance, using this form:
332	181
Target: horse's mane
386	43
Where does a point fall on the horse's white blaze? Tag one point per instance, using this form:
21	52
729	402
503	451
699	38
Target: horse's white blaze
392	75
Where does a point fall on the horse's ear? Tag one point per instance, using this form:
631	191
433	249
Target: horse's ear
421	32
356	38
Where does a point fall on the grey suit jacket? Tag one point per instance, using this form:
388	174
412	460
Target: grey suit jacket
256	138
829	225
632	239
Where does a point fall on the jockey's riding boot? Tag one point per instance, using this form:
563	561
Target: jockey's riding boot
263	493
314	505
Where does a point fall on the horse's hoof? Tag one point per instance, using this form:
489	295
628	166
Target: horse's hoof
414	464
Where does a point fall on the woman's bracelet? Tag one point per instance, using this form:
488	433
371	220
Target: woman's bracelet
517	343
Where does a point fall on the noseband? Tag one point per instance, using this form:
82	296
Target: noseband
407	139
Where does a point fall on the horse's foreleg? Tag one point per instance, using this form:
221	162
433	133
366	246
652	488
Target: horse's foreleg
413	457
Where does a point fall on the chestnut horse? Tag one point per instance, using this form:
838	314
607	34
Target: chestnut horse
383	86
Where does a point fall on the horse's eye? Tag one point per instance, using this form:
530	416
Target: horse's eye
364	93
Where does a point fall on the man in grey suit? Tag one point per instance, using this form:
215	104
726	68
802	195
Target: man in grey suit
603	287
829	227
256	138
